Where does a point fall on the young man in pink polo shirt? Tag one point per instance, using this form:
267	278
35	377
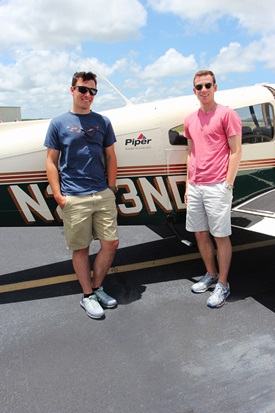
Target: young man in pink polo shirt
214	153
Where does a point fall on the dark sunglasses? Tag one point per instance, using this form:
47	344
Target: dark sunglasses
85	89
207	85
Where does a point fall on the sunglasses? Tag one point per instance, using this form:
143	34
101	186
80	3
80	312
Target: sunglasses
207	85
85	89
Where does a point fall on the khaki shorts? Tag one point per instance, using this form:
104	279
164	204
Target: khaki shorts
209	209
90	217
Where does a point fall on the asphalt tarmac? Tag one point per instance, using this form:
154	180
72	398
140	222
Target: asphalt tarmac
161	350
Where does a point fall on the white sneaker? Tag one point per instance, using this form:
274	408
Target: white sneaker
92	306
104	299
205	283
219	295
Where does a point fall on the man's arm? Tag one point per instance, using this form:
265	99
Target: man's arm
235	144
189	148
111	165
53	175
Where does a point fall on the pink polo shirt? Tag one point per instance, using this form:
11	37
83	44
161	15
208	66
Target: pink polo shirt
210	150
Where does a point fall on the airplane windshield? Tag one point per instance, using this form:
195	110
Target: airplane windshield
258	123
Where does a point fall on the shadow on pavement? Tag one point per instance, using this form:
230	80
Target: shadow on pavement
251	274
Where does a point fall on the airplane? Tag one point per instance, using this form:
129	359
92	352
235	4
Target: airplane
151	151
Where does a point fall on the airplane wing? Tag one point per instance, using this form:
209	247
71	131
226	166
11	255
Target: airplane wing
256	214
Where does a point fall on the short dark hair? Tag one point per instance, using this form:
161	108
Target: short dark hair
204	73
84	76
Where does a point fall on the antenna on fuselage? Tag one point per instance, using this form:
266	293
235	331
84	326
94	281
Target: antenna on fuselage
126	100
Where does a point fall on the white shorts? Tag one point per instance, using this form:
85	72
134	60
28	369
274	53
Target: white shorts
209	209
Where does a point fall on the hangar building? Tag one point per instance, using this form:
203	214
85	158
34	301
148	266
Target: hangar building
10	113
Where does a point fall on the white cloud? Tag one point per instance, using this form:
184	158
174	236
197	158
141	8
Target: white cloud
232	58
235	58
266	54
253	15
172	63
120	65
39	81
59	23
42	43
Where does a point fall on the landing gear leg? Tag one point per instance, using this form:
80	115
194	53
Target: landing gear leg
170	221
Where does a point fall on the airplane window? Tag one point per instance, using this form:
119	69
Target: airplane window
176	136
257	123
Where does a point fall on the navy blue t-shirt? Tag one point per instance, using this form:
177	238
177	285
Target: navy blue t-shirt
81	139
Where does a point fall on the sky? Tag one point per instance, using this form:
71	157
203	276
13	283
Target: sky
148	49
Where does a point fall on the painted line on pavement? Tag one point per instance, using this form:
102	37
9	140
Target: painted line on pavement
124	268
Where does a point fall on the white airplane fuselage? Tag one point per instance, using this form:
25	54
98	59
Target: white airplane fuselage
151	163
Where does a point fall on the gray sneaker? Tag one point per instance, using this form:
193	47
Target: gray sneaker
205	283
92	306
104	299
218	296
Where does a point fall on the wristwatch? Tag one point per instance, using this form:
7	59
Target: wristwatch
229	186
114	189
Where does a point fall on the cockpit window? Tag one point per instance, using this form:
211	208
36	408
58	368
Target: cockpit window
176	136
257	123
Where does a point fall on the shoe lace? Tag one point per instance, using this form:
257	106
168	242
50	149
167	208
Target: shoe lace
206	278
218	290
101	294
93	300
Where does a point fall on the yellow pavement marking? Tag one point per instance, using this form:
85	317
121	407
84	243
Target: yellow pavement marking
124	268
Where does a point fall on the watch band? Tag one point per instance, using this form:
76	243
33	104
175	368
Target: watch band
114	188
229	186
